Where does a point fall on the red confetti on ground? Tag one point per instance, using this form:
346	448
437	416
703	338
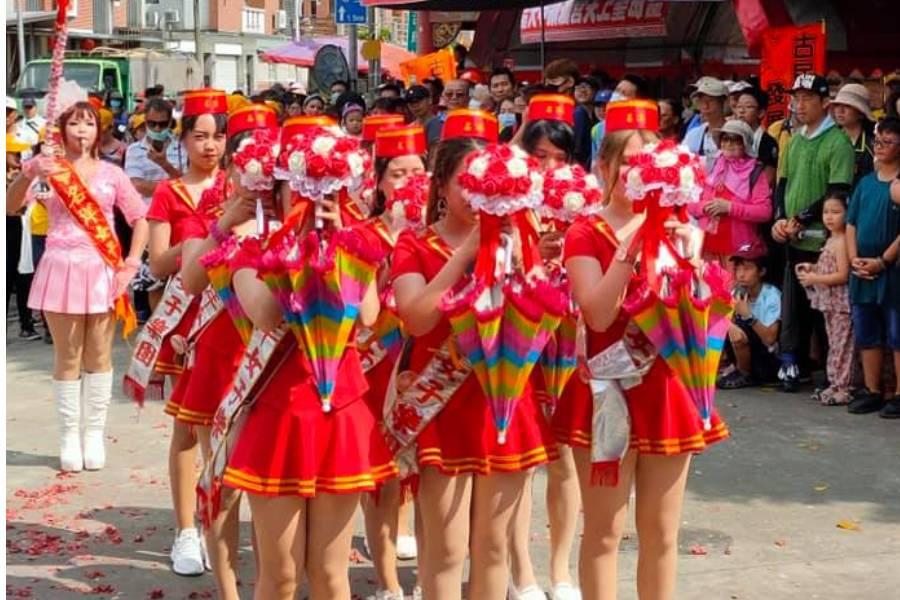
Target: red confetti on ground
95	575
112	535
157	593
103	589
138	539
698	550
39	543
196	595
14	592
13	515
45	497
65	475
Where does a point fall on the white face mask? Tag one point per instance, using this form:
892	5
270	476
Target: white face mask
474	104
617	97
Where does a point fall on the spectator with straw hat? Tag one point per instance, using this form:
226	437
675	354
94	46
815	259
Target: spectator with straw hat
850	110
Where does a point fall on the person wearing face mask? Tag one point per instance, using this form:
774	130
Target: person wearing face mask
737	196
630	87
158	156
120	116
508	120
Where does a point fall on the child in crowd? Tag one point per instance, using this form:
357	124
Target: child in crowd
873	230
753	337
826	284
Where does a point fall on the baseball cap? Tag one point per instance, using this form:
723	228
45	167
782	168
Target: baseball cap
11	104
755	251
417	93
710	86
739	86
811	82
603	97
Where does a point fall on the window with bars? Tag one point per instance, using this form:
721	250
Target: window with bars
253	21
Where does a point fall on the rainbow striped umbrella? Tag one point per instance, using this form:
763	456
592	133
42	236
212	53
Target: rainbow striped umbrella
687	322
320	291
560	359
502	330
219	265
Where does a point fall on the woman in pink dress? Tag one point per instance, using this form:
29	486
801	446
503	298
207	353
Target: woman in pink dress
82	276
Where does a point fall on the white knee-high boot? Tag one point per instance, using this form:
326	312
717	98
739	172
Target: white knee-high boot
68	406
97	394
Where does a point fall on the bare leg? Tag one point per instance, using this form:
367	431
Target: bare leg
605	510
183	473
330	533
659	493
494	501
521	567
740	345
871	362
897	373
563	506
381	531
98	339
222	535
154	296
281	541
68	344
403	514
444	504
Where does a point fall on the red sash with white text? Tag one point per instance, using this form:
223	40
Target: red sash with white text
86	211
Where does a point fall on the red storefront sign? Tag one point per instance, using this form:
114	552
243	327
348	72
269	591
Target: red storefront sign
786	53
576	20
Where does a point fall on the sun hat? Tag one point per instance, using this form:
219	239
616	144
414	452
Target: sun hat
855	95
739	128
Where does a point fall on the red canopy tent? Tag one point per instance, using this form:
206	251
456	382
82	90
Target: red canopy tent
303	54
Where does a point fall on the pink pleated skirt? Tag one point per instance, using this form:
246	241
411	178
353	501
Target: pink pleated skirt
73	281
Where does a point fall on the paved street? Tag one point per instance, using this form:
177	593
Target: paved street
803	502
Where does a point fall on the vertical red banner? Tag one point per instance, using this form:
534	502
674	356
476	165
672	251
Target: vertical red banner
786	53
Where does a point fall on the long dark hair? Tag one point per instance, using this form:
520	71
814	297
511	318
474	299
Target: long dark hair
557	133
81	109
446	159
189	123
381	166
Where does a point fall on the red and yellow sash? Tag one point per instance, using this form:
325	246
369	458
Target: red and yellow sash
76	197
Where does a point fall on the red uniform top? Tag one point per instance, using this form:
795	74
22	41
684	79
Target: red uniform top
664	419
173	204
462	438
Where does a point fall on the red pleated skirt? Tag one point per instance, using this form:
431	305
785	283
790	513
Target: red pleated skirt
170	362
290	447
218	354
463	437
664	419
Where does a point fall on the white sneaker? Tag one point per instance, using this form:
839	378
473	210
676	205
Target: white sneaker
565	591
406	547
532	592
389	595
187	559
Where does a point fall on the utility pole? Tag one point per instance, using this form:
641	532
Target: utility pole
353	51
298	8
197	48
20	34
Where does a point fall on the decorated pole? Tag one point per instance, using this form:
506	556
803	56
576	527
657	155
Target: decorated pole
61	30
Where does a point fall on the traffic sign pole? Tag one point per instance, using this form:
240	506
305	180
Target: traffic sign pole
354	69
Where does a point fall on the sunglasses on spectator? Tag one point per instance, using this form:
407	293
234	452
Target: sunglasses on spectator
157	124
456	94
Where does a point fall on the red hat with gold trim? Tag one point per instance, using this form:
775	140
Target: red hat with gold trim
632	114
252	116
401	140
552	107
204	101
302	123
465	122
373	123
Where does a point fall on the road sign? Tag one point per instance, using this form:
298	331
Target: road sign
349	12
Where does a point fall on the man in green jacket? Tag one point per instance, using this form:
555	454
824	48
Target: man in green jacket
819	159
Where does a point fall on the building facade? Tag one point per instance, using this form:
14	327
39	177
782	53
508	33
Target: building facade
232	32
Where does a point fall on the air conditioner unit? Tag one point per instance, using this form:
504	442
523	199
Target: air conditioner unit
281	19
172	17
151	19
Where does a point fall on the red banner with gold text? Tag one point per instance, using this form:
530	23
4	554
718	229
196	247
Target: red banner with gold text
786	53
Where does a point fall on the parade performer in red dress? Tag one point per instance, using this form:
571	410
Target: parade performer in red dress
161	344
548	136
469	477
665	426
216	343
309	443
82	281
399	161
